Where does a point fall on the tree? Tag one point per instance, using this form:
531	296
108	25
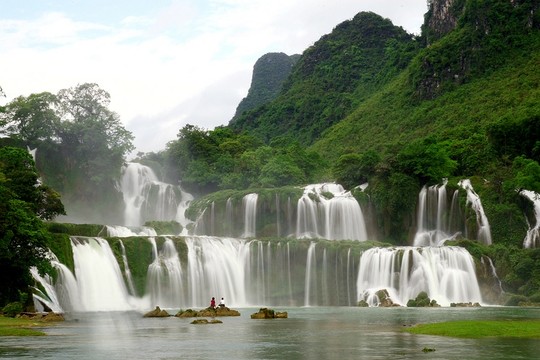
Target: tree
23	237
31	119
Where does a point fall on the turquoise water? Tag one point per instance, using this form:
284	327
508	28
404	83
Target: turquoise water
308	333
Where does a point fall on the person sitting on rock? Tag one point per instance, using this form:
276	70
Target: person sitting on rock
222	303
213	303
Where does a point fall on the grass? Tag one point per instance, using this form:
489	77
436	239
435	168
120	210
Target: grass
481	328
19	327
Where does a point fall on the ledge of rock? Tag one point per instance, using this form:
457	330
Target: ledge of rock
208	312
265	313
157	312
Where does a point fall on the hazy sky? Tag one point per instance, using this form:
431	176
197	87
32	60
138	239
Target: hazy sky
166	63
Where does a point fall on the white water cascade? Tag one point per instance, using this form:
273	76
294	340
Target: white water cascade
328	211
446	274
532	239
164	282
100	284
437	222
484	231
147	198
250	215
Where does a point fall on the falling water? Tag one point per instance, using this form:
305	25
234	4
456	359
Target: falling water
311	274
446	274
250	215
532	239
328	211
164	282
100	283
436	221
146	198
484	231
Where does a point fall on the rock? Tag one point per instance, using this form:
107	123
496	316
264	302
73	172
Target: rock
469	304
205	321
384	299
48	317
208	312
157	312
265	313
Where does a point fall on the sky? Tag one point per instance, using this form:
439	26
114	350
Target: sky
166	63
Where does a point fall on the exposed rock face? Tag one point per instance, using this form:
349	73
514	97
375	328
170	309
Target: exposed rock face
208	312
265	313
440	19
157	312
269	74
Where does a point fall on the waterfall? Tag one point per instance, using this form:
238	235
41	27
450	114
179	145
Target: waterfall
484	231
123	231
100	283
436	222
164	282
328	211
311	280
532	239
446	274
256	273
146	198
250	215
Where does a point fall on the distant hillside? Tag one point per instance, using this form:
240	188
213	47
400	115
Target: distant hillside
478	78
269	74
332	77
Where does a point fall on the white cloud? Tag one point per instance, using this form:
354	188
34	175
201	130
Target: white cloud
191	62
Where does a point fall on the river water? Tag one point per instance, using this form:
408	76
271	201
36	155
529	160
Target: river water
308	333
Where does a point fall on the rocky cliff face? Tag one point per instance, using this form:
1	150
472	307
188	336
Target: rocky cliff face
440	19
269	73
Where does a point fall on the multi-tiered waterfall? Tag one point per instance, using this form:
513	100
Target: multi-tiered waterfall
297	269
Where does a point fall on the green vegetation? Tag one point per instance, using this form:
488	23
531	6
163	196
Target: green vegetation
24	240
19	327
269	74
82	145
481	328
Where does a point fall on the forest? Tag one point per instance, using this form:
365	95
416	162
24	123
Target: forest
367	103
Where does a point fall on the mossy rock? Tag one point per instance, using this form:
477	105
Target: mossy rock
206	321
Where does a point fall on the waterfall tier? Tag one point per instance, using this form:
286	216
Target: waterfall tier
187	272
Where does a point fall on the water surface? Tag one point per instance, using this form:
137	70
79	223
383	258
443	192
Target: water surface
308	333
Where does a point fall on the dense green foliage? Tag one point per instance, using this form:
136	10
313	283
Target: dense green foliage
269	74
331	77
223	159
24	239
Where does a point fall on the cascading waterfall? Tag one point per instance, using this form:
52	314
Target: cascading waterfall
250	215
484	231
244	272
327	211
446	274
100	284
436	221
164	282
146	198
532	239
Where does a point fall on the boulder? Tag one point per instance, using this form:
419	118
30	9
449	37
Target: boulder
265	313
157	312
205	321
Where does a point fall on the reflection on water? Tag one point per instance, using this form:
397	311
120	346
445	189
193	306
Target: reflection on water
308	333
